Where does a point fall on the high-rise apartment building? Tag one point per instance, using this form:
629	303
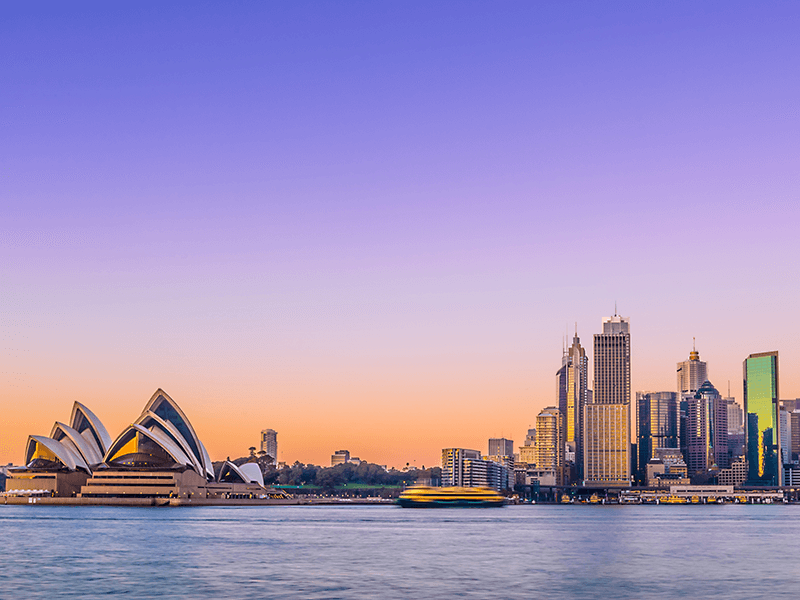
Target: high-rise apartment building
573	393
657	423
453	473
501	447
269	443
795	418
606	423
707	431
550	442
761	420
466	468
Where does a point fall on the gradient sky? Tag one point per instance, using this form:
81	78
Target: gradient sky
369	225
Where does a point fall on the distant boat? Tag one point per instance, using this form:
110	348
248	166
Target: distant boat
422	496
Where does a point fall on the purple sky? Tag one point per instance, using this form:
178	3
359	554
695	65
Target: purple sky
317	214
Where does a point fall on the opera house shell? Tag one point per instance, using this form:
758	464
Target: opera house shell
158	456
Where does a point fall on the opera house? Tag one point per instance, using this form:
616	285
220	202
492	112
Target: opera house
157	459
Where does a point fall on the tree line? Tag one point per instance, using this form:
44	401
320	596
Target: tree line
328	478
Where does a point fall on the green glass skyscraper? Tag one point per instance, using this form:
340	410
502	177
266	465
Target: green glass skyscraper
761	420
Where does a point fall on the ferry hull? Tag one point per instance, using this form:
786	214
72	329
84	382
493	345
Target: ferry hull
408	503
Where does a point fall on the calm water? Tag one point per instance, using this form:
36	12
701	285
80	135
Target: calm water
371	552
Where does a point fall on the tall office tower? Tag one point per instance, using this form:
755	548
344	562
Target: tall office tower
606	422
692	373
785	426
706	431
658	425
761	410
735	428
791	405
501	447
575	395
550	442
735	416
795	418
269	443
527	452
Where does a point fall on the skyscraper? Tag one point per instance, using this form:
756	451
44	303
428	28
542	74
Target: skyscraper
761	418
269	443
735	416
657	418
707	431
692	373
607	446
550	442
785	433
573	391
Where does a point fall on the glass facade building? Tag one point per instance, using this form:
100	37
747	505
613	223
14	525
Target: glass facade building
706	431
658	425
761	410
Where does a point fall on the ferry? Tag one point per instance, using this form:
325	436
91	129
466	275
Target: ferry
421	496
673	500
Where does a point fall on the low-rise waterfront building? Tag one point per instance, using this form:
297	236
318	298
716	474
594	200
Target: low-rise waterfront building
734	475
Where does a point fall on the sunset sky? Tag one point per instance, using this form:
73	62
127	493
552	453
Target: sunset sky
369	225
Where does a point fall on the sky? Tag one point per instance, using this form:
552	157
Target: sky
370	225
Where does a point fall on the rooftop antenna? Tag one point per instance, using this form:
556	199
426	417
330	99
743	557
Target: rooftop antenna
615	308
694	348
729	388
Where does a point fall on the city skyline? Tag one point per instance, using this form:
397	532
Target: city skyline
363	225
694	355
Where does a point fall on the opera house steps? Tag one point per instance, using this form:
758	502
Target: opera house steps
158	459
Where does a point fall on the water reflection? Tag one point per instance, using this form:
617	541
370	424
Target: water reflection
373	551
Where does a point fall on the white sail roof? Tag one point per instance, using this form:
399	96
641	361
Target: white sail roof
64	433
160	438
166	408
66	456
85	422
253	473
152	421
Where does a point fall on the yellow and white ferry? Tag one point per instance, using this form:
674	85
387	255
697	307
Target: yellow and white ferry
421	496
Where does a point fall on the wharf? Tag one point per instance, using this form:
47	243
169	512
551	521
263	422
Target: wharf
56	501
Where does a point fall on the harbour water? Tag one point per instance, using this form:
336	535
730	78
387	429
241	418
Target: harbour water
732	551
